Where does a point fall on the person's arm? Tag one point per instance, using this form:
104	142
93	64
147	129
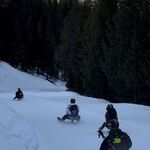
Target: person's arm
78	108
68	110
102	127
128	140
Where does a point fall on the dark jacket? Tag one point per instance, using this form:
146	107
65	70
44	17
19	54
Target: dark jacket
111	114
19	95
124	144
74	109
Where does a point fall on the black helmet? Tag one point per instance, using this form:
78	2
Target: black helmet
72	100
109	106
113	124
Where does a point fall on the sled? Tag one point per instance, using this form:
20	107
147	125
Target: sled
71	118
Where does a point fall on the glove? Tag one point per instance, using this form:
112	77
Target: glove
100	133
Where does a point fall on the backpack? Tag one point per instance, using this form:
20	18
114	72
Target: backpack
117	141
74	110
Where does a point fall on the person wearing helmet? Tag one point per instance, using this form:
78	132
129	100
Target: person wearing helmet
19	94
72	101
71	110
110	114
116	139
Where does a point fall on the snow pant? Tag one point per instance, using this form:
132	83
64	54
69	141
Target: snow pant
19	98
65	117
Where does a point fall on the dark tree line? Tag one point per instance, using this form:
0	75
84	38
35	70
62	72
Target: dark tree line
101	48
30	33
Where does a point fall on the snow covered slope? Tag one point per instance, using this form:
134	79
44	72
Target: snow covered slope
31	124
11	79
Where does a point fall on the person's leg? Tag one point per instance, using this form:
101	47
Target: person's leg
65	117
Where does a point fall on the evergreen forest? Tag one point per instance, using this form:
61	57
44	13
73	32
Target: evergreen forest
100	48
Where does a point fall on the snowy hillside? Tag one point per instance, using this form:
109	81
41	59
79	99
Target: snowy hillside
11	79
31	124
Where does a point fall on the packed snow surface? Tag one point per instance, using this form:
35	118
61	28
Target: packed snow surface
31	124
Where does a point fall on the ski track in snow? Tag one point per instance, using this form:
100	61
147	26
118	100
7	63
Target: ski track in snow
18	131
32	122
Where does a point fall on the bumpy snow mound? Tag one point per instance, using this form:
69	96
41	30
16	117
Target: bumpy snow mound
11	79
16	132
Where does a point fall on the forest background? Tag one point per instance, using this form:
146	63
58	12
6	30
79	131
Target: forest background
100	48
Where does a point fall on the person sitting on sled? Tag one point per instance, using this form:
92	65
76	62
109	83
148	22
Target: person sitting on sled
71	110
19	94
110	114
